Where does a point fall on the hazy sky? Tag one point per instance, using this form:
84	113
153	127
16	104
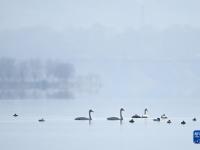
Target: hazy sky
61	14
146	48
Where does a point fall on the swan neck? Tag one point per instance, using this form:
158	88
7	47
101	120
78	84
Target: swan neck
90	115
145	112
121	117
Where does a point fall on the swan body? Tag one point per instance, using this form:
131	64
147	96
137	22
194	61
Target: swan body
194	119
85	118
117	118
169	121
41	120
183	122
136	116
15	115
82	118
114	118
144	116
164	116
157	119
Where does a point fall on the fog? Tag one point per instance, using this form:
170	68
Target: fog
60	58
139	49
115	13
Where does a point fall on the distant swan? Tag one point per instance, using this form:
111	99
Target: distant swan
116	118
194	119
15	115
145	113
41	120
169	121
136	116
85	118
164	116
183	122
131	121
157	119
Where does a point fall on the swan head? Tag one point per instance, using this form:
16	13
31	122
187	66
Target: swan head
122	109
91	110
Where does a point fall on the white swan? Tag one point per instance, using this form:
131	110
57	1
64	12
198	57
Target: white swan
164	116
85	118
116	118
145	113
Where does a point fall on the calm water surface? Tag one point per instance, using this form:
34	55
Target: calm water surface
60	131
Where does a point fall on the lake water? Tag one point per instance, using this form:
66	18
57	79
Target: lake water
61	132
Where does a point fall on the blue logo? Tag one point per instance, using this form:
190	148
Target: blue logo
196	136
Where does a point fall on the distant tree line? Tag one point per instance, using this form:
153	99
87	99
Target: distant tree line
35	79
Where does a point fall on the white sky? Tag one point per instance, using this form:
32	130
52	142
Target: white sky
61	14
159	37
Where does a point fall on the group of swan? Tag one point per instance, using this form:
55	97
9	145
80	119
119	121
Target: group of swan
142	116
134	116
115	118
121	117
109	118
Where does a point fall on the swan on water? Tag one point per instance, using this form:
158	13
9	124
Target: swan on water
136	116
169	121
157	119
116	118
145	113
85	118
194	119
164	116
131	121
41	120
15	115
183	122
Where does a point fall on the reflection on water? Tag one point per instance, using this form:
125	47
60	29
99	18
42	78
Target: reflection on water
61	131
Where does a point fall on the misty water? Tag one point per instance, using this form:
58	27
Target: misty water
58	59
61	131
